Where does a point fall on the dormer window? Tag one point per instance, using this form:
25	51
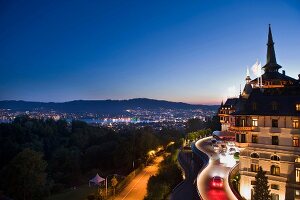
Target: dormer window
254	106
298	107
274	106
254	122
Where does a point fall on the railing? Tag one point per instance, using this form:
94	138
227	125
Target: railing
233	171
241	128
295	131
204	159
275	130
274	147
183	171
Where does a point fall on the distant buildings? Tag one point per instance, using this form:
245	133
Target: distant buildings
265	119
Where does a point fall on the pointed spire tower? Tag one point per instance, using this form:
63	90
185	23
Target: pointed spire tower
271	65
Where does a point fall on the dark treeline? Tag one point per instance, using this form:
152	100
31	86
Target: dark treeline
40	157
160	186
197	124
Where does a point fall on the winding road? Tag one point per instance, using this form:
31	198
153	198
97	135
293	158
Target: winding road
219	165
137	188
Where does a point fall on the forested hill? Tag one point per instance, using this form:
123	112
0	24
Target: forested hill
103	106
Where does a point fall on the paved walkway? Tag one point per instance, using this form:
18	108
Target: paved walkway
137	188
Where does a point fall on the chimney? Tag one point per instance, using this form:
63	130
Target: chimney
283	72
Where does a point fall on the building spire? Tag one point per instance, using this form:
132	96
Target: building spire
271	57
271	65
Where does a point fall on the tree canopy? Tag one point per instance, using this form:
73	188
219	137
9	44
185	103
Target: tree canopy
261	188
68	154
25	177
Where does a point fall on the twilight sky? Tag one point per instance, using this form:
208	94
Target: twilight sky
191	51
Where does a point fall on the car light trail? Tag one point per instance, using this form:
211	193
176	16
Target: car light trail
219	165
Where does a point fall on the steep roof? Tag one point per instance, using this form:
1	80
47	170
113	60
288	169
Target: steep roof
231	102
285	100
278	100
275	76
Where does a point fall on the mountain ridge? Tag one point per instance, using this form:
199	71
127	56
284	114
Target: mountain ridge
103	106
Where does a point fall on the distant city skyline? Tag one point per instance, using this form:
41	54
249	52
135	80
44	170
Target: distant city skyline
195	52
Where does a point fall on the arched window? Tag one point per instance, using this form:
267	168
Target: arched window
254	155
275	157
275	170
297	160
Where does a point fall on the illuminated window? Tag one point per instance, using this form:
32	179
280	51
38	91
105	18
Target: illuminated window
275	157
275	123
254	155
295	141
297	160
298	106
254	138
254	167
295	123
275	140
297	193
274	196
274	187
275	170
254	122
297	175
243	122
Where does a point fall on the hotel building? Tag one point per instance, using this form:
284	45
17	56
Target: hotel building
265	119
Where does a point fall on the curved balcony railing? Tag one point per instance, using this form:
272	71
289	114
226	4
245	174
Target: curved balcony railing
241	128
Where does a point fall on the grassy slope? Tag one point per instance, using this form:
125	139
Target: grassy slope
80	193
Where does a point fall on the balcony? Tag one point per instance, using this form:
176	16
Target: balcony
241	128
295	131
289	149
275	130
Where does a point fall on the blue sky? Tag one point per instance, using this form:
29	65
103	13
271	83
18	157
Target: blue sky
191	51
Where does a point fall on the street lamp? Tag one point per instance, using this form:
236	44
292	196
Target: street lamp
106	181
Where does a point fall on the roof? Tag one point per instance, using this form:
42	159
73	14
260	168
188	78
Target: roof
285	99
231	102
275	76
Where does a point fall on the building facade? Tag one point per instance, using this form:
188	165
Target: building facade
266	126
225	113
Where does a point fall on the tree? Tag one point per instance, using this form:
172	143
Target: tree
24	177
194	124
261	189
114	183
